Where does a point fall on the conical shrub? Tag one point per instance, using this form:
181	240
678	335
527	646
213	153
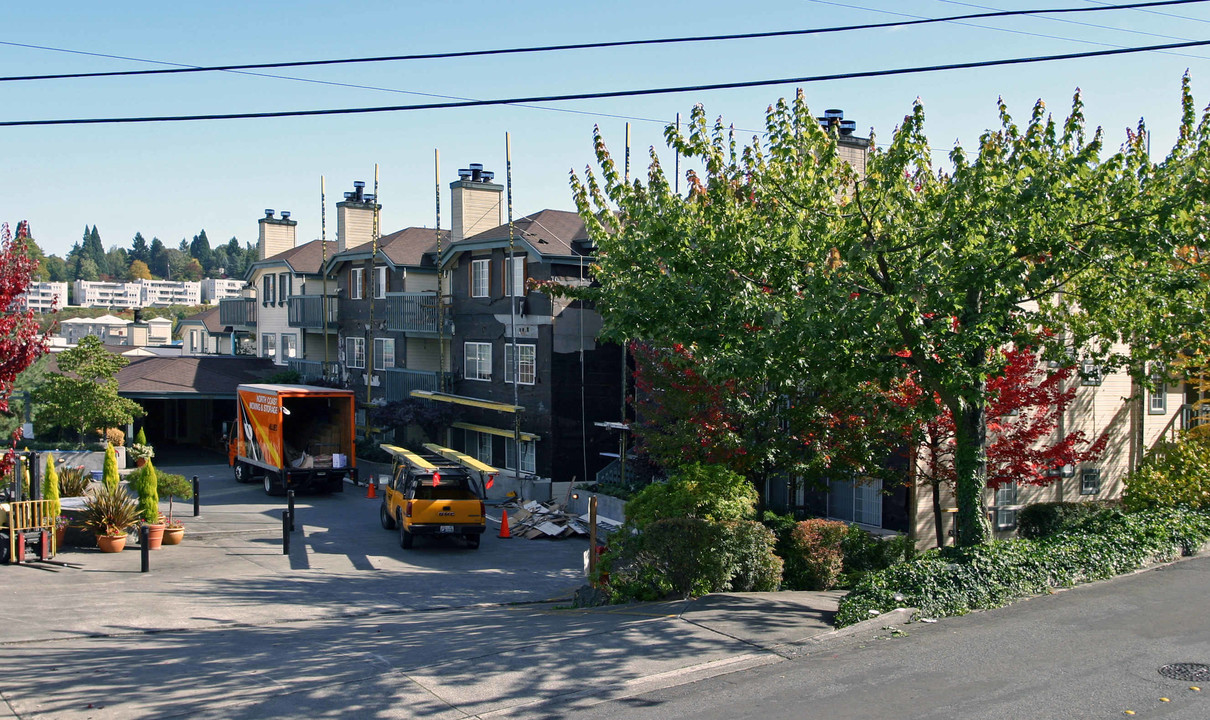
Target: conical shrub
50	486
109	472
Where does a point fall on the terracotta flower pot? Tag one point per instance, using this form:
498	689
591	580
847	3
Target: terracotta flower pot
140	462
60	531
111	543
155	535
173	535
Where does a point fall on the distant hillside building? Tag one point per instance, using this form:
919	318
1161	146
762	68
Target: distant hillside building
43	297
215	289
162	293
86	293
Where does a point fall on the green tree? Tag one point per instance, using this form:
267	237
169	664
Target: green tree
118	262
785	264
139	249
83	396
200	250
159	258
235	259
192	270
56	269
144	481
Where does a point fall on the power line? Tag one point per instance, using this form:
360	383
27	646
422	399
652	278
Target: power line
1153	12
179	68
613	93
1076	22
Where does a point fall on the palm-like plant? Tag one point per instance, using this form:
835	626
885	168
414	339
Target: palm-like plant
109	511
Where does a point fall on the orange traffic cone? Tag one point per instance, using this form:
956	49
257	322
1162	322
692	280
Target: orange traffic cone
372	488
504	526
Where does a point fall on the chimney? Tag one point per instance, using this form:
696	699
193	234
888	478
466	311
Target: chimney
355	218
477	203
276	234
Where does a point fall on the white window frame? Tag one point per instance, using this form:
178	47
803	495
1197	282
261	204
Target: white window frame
268	346
482	447
285	288
289	346
481	275
529	464
356	283
477	361
384	353
1087	476
1006	502
268	290
517	274
195	341
1091	374
355	353
1157	399
380	282
527	368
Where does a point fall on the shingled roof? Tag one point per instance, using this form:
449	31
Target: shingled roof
209	319
550	232
191	377
305	259
411	246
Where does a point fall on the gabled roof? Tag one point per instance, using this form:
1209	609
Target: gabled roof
103	320
547	232
214	376
207	318
305	259
409	247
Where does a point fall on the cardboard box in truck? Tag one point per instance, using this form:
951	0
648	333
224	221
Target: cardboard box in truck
293	437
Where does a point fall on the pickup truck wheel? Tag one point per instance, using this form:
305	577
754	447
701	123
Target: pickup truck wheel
472	541
272	486
405	537
243	473
388	522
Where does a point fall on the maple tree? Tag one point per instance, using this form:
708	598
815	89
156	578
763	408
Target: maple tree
21	343
1026	402
785	265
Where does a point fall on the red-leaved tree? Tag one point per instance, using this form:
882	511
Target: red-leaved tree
20	341
1026	403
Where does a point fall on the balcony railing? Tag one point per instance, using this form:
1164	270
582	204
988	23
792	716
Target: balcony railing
236	312
306	311
311	370
415	312
401	382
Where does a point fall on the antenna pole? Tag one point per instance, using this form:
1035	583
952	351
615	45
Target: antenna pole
373	293
323	249
440	284
512	303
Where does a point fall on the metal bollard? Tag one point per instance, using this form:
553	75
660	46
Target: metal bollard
197	497
290	507
286	521
145	548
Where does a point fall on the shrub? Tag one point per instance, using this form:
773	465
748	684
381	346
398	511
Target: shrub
114	436
140	437
954	581
50	486
109	511
109	471
749	547
1173	474
1045	519
864	552
174	486
74	481
815	558
144	482
706	492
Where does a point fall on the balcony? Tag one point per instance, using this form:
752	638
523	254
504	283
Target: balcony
306	311
415	312
237	312
311	370
400	382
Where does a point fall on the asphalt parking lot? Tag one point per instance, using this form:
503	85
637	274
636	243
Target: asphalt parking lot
231	569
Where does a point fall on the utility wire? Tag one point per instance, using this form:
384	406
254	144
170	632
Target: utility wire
1152	12
1076	22
178	69
613	93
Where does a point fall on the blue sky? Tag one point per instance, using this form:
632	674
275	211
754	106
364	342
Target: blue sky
172	180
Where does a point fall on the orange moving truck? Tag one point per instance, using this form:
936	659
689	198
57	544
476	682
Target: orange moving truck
293	437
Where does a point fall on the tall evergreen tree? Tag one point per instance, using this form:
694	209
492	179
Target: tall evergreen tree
200	249
235	259
139	249
95	251
158	261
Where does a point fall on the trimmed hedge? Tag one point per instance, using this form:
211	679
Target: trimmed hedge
1045	519
955	581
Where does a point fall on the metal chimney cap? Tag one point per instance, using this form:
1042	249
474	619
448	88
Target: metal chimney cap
359	183
268	212
476	166
285	214
834	114
488	176
349	196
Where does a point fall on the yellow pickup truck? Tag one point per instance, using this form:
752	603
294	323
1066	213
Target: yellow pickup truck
427	496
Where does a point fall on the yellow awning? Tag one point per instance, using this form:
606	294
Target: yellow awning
461	458
525	437
408	456
464	400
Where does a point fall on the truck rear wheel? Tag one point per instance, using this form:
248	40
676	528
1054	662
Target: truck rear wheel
273	486
243	472
384	516
405	537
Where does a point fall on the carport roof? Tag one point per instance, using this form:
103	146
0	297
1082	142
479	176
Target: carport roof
185	378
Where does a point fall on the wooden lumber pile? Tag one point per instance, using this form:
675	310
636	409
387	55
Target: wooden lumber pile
531	519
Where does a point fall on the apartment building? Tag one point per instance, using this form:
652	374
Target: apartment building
87	293
44	297
215	289
162	293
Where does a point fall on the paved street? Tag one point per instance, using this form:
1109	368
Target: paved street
350	625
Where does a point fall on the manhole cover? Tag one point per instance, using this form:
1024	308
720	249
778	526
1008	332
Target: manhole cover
1186	671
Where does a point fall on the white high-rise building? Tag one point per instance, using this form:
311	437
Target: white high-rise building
107	294
215	289
42	297
162	293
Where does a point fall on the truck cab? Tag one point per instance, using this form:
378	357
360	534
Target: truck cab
428	496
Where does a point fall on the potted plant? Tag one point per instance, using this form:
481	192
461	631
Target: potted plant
145	482
141	453
109	512
174	486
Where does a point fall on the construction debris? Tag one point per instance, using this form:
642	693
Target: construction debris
532	519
